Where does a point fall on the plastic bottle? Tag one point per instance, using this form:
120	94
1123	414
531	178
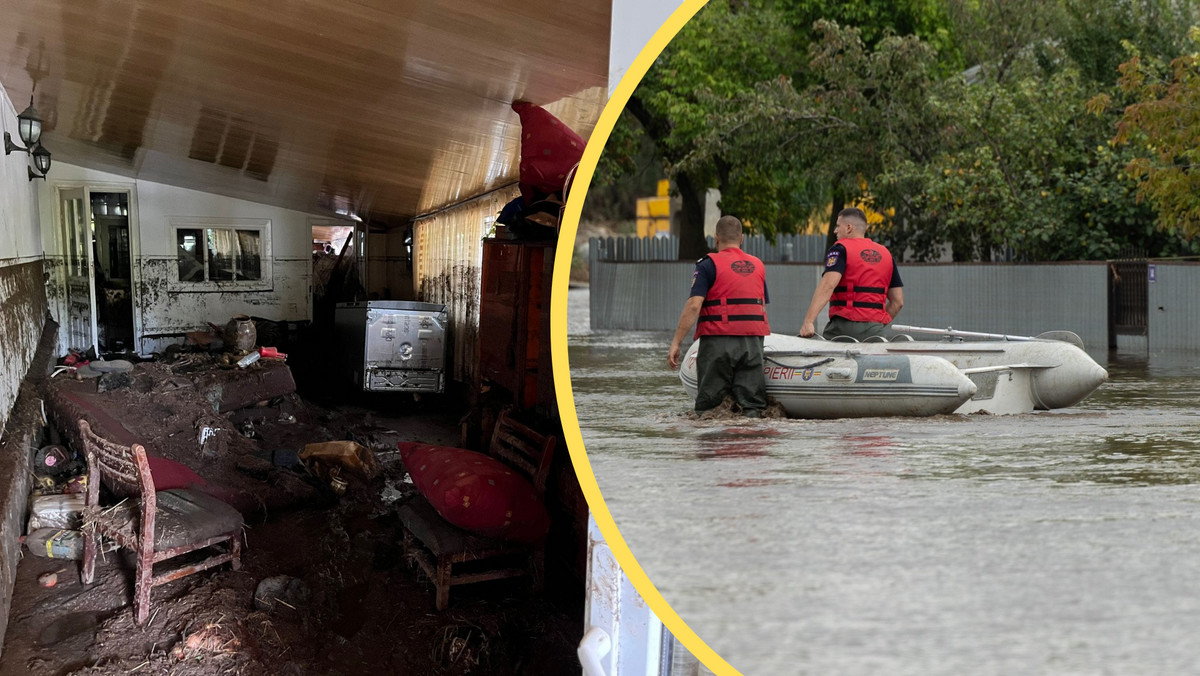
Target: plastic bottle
56	511
249	359
55	543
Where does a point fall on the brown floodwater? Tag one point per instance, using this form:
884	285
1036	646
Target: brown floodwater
1051	542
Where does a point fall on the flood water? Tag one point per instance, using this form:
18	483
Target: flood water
1060	542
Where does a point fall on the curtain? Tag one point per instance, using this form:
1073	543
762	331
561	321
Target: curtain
447	257
221	248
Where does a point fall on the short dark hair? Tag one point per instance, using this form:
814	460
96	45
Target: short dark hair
853	214
728	228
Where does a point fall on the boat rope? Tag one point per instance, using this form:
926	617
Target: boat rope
813	365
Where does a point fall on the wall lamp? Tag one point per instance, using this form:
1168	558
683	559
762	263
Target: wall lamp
29	128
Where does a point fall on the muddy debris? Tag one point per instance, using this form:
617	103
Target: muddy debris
728	409
281	591
213	638
324	588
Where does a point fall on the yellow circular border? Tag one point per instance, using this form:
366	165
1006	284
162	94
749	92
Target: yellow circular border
558	342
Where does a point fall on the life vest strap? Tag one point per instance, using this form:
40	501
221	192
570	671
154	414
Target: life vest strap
732	301
842	303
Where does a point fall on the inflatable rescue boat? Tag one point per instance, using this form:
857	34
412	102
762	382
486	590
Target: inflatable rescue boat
998	374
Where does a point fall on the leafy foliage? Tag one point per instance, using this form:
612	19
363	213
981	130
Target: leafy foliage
724	49
1163	126
1095	33
982	128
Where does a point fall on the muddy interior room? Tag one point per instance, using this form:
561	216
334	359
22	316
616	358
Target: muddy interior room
275	380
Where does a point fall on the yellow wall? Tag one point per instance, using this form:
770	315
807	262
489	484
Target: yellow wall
654	213
653	216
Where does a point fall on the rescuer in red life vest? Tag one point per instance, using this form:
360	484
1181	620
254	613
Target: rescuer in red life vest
860	283
728	308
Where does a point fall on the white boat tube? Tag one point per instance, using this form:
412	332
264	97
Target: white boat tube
818	379
814	378
1061	374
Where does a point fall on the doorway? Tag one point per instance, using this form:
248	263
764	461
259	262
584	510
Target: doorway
114	271
97	244
332	252
1128	298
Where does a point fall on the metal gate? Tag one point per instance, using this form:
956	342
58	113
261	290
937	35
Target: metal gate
1128	290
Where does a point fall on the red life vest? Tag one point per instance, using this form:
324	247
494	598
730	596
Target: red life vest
735	303
862	294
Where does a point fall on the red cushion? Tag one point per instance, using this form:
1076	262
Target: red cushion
476	492
549	149
168	474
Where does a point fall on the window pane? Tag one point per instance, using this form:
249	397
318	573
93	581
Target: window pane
222	251
250	255
191	268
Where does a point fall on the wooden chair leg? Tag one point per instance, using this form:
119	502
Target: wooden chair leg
89	557
235	549
443	583
141	588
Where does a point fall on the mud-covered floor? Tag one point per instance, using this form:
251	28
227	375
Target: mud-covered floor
353	603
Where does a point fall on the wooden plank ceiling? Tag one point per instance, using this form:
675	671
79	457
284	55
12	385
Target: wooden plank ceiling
387	108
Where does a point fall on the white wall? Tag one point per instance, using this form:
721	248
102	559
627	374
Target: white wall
22	298
161	308
20	240
633	24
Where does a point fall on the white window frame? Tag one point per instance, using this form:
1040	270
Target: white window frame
262	225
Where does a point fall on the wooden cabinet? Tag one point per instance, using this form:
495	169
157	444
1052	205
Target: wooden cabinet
514	321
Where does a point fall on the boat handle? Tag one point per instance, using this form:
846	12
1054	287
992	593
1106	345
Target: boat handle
595	645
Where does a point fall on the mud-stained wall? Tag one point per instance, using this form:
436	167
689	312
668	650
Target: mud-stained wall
164	310
25	431
23	299
22	318
22	290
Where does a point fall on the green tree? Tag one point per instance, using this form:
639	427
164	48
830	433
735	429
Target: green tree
864	107
724	49
1162	125
1095	33
966	121
628	169
1024	172
929	20
732	50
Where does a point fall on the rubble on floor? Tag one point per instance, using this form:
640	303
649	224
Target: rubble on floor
324	587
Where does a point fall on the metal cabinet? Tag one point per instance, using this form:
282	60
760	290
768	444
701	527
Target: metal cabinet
394	346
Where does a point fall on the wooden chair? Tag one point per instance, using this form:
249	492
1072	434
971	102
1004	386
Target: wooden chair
156	526
452	556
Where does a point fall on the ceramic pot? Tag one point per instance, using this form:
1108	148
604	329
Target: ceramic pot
240	333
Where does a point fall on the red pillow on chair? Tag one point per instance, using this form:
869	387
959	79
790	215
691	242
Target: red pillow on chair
476	492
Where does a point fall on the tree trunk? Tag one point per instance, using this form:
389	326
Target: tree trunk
839	202
691	218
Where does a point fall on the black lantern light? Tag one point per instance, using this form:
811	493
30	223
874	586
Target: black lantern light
29	128
41	161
